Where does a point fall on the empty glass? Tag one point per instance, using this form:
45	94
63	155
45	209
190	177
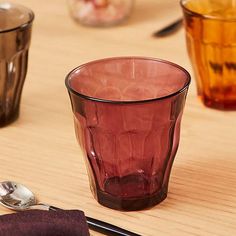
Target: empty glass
127	114
211	42
15	33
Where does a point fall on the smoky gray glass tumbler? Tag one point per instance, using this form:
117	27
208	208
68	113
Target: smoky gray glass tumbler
15	34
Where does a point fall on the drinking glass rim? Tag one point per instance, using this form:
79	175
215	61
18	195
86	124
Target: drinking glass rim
204	16
23	25
182	89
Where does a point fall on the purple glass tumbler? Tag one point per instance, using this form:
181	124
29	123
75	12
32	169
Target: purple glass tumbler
127	115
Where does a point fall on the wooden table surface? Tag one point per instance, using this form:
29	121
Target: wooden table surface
40	149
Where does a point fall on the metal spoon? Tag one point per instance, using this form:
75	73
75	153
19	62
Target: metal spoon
169	29
19	198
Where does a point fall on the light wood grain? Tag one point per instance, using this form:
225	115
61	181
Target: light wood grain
40	149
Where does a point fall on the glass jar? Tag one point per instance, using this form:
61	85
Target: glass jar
100	12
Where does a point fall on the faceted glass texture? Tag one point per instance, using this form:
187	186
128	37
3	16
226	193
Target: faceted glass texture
210	27
127	114
15	35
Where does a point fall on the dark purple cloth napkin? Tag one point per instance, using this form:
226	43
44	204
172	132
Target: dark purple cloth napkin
44	223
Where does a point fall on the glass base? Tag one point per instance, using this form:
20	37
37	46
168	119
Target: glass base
130	204
226	105
4	121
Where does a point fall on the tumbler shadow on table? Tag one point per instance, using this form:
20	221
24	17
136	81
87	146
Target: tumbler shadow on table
127	115
15	34
211	43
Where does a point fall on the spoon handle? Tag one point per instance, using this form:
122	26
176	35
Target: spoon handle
169	29
103	227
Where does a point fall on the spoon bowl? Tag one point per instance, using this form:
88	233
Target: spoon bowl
16	196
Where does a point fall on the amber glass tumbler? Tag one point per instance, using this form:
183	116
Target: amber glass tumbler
15	35
127	114
211	42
